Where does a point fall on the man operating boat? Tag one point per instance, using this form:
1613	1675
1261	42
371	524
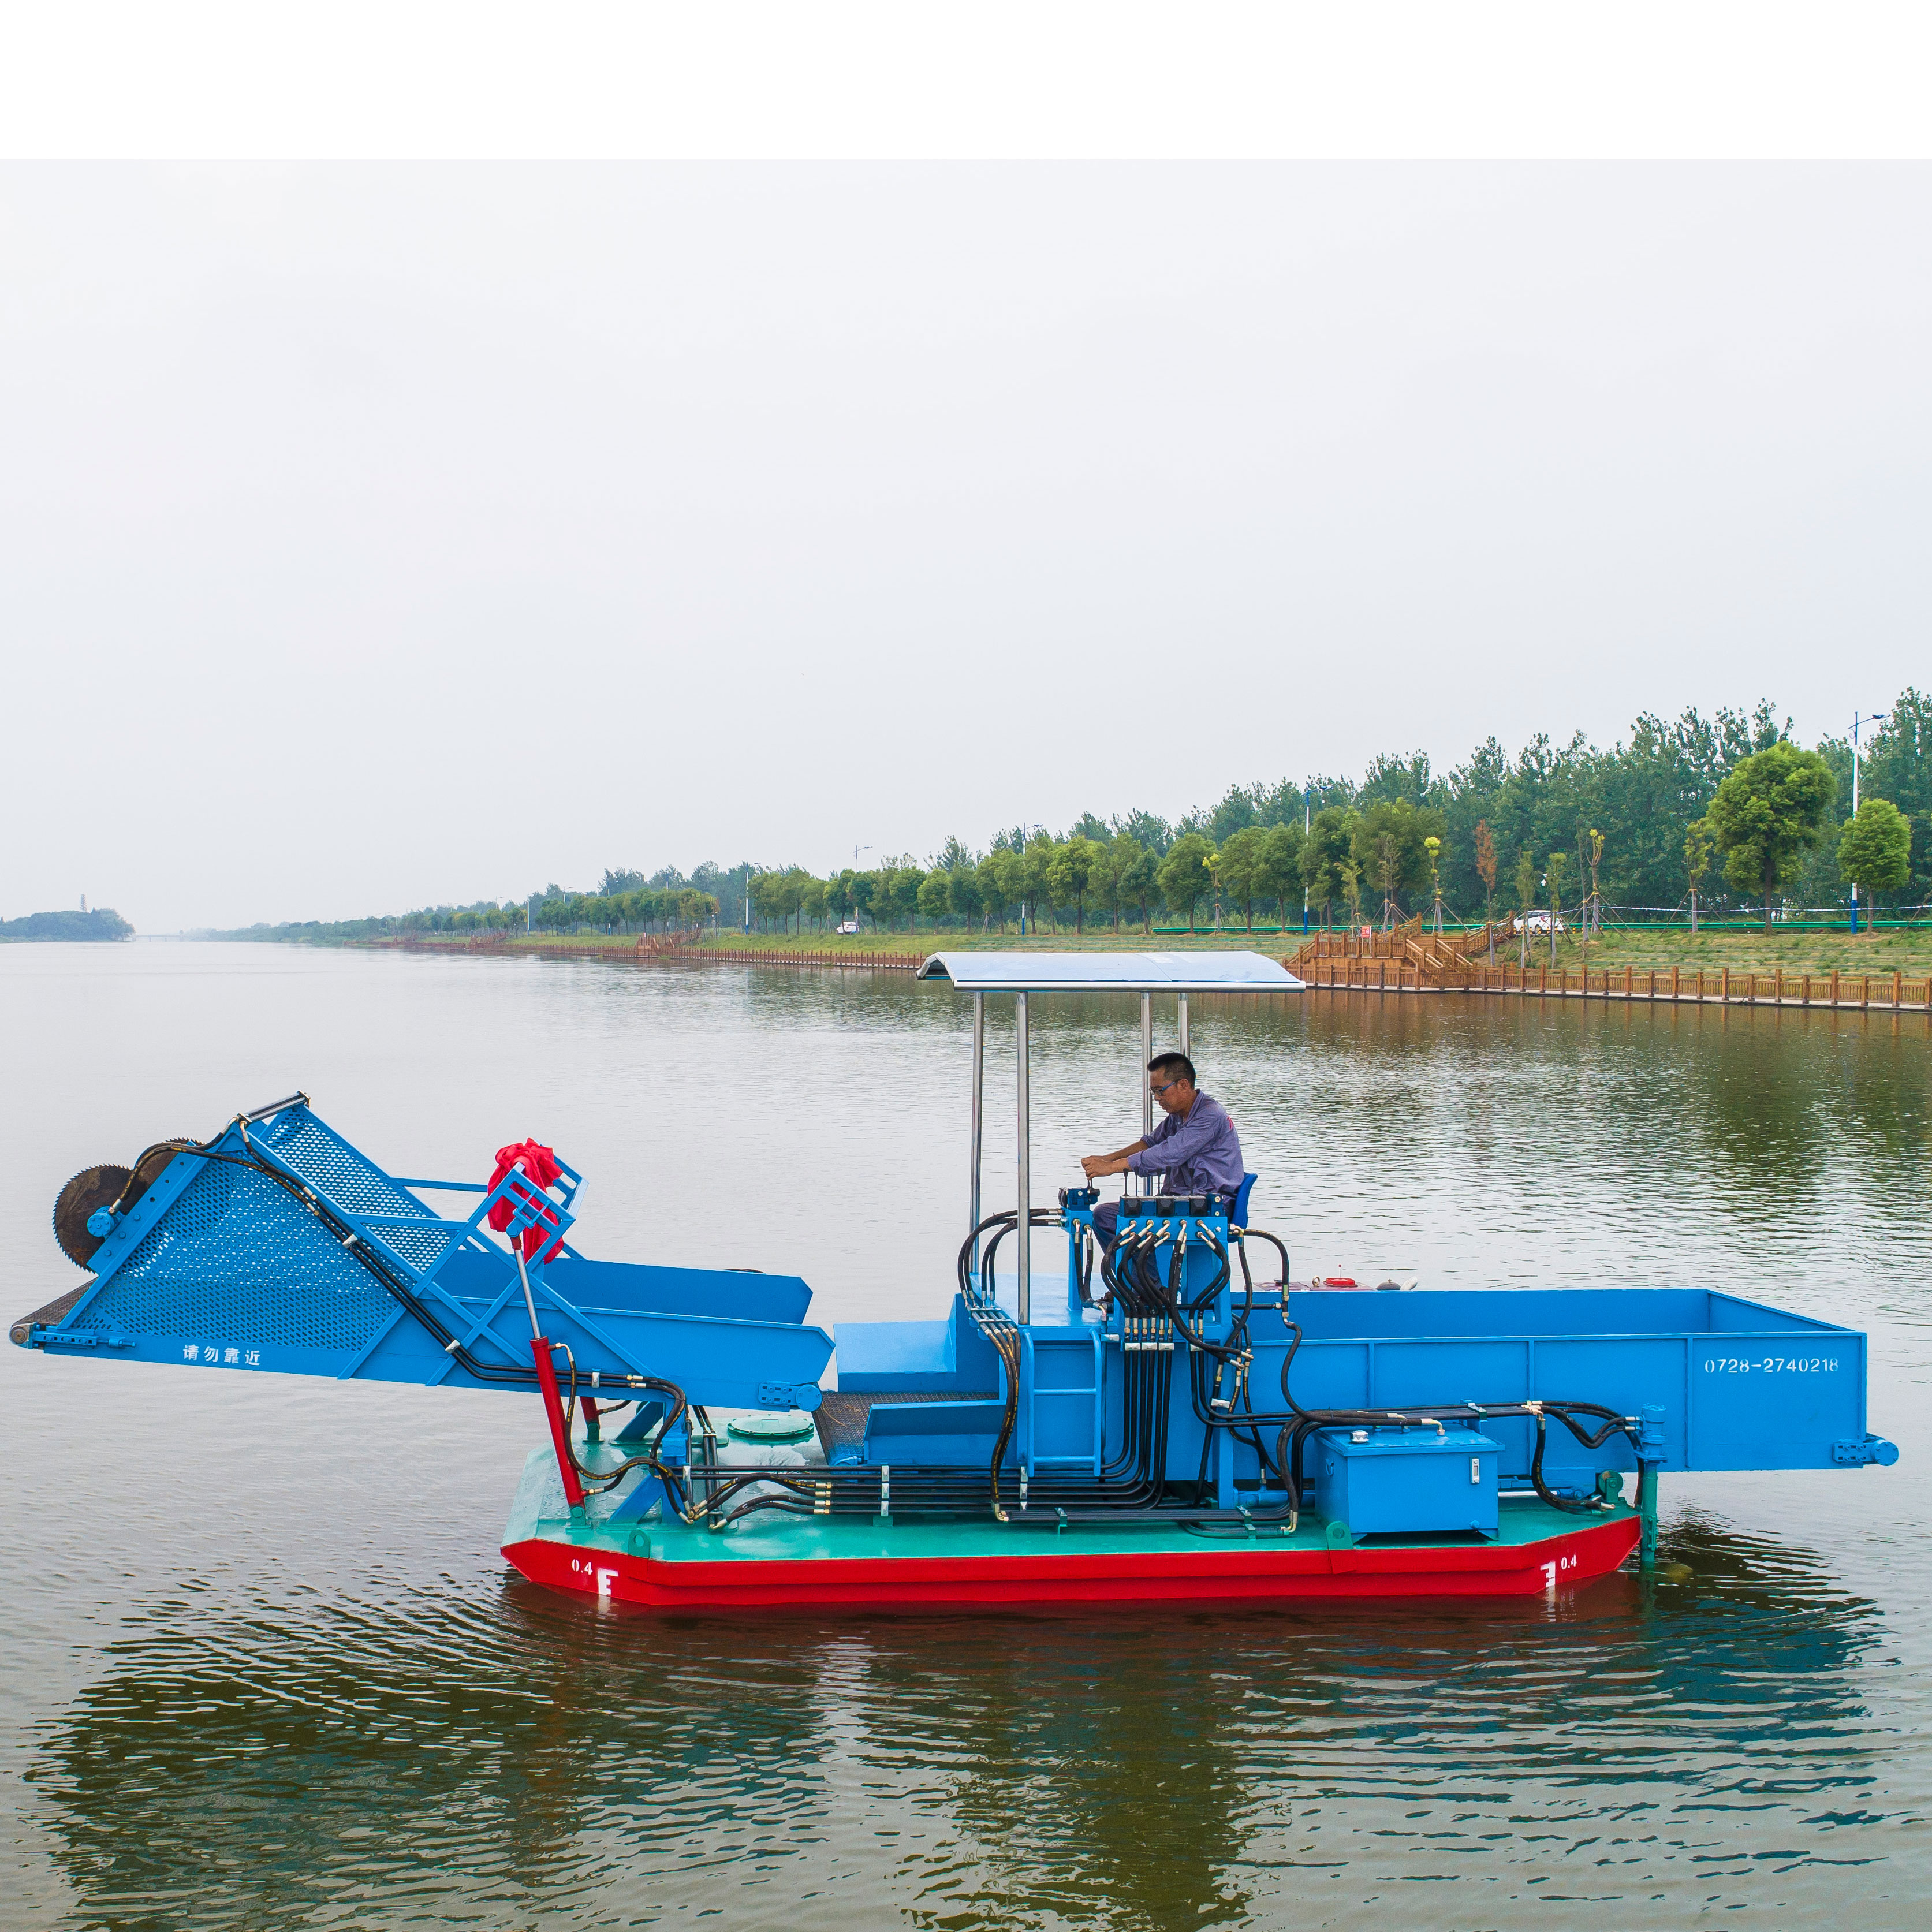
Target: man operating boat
1195	1146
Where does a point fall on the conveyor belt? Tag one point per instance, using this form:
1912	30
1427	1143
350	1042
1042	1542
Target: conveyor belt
56	1311
842	1417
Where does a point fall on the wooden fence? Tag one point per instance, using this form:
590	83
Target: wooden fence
649	946
1889	992
889	962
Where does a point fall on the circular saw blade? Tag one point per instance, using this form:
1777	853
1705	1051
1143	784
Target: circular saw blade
92	1187
101	1186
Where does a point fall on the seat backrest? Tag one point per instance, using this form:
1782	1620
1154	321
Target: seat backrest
1247	1187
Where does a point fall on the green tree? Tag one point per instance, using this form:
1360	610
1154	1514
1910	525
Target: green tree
935	896
795	886
1898	767
1106	883
907	880
1278	871
1700	846
863	889
1351	890
1003	880
991	873
1875	851
1768	813
1035	869
1139	874
1485	870
1555	900
969	901
1526	894
1329	846
1184	875
1070	868
1243	873
1389	849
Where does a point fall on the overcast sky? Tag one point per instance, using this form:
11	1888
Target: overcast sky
375	536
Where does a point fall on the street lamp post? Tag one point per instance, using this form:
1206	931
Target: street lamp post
856	850
1876	718
1307	821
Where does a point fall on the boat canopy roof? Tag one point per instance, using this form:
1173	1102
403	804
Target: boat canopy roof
1111	973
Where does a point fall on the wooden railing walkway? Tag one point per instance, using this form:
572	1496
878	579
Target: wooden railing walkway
651	946
1888	992
1441	959
890	962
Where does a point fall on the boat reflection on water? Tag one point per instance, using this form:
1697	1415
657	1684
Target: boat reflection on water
537	1754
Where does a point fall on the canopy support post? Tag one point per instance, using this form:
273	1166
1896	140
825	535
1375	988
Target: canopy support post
1024	1231
1136	1184
979	1098
1185	1047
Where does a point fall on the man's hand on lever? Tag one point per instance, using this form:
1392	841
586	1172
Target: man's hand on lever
1095	1166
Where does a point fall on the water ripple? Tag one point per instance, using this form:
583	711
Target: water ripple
269	1673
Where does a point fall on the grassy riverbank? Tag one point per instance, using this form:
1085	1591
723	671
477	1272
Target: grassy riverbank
1907	951
1747	951
863	944
1274	944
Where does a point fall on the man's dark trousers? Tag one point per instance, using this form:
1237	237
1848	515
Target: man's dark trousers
1106	1218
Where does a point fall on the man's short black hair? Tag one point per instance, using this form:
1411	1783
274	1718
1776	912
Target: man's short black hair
1175	1065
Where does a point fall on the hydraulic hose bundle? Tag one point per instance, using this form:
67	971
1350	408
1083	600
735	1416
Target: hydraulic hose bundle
1299	1423
500	1374
1132	1481
1133	1274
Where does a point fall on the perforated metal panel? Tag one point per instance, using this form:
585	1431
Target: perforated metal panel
418	1246
336	1168
237	1259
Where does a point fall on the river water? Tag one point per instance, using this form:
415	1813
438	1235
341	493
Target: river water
264	1668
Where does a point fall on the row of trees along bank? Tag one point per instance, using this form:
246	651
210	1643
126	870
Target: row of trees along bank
1615	826
1768	817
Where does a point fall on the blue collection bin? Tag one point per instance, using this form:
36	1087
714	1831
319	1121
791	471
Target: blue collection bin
1406	1482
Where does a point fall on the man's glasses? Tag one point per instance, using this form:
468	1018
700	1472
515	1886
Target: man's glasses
1157	1089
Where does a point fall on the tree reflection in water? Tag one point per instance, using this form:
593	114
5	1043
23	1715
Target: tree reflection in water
320	1703
541	1760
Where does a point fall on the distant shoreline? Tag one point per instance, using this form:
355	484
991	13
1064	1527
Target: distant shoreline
1641	948
98	925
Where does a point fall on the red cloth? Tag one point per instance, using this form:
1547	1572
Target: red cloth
539	1163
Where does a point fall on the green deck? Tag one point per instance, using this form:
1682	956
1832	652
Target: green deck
540	1513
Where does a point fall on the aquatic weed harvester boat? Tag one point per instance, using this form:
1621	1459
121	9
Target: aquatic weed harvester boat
1168	1421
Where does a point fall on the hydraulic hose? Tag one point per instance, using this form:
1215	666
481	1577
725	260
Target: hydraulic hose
500	1374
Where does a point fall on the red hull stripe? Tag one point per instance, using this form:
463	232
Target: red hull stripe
1245	1576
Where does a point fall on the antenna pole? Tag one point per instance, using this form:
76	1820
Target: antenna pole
1137	1183
1024	1229
978	1099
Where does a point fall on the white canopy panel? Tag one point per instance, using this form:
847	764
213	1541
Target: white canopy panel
1111	973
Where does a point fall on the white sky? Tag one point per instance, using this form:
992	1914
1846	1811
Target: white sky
372	535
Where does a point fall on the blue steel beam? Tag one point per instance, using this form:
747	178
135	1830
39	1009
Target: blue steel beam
221	1265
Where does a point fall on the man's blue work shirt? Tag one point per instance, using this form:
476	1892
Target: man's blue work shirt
1199	1154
